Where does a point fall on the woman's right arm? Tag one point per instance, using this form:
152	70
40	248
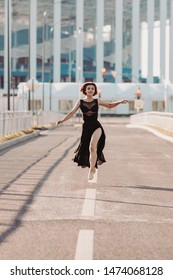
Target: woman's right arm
70	114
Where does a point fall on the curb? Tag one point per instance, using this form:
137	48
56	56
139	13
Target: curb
18	140
23	138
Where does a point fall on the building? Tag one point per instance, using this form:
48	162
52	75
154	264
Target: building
110	41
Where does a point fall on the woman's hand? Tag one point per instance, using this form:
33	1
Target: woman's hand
59	122
124	101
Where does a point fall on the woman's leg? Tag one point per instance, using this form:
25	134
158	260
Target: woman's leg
93	149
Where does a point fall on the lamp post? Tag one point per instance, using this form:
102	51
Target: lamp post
32	85
79	54
166	83
100	95
79	46
13	88
51	68
51	64
139	103
43	56
69	64
103	70
8	48
138	93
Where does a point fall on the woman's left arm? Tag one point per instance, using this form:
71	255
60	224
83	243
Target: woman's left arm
111	104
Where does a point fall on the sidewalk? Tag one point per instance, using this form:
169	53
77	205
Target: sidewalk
47	203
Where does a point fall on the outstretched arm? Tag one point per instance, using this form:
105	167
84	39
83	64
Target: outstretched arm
70	114
111	104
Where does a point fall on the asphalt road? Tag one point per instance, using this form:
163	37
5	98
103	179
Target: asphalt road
48	210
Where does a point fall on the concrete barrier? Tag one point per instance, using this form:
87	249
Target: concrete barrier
17	140
157	119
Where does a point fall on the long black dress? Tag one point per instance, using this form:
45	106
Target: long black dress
82	153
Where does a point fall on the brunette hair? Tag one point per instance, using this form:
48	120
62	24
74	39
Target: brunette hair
84	86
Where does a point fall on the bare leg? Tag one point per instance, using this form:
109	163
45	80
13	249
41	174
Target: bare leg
93	152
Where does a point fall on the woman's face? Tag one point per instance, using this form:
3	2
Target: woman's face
90	90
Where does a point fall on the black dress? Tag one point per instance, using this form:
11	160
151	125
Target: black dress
82	153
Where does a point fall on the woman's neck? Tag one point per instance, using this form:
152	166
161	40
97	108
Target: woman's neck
89	98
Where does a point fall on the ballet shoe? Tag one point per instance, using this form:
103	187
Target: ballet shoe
90	175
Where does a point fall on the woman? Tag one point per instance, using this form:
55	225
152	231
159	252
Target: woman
90	150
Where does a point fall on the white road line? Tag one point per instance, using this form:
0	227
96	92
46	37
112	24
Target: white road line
89	202
84	248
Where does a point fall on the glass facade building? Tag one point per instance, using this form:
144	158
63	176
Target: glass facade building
80	40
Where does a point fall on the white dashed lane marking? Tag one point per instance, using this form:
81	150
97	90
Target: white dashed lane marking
84	248
89	203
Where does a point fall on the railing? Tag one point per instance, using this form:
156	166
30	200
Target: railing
157	119
44	118
11	122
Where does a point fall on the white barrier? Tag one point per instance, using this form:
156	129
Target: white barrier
11	122
44	118
157	119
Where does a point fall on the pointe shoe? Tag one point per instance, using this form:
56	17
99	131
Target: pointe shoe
90	175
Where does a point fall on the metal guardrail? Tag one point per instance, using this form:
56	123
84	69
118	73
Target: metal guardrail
11	122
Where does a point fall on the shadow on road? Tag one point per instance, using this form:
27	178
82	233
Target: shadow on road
17	221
